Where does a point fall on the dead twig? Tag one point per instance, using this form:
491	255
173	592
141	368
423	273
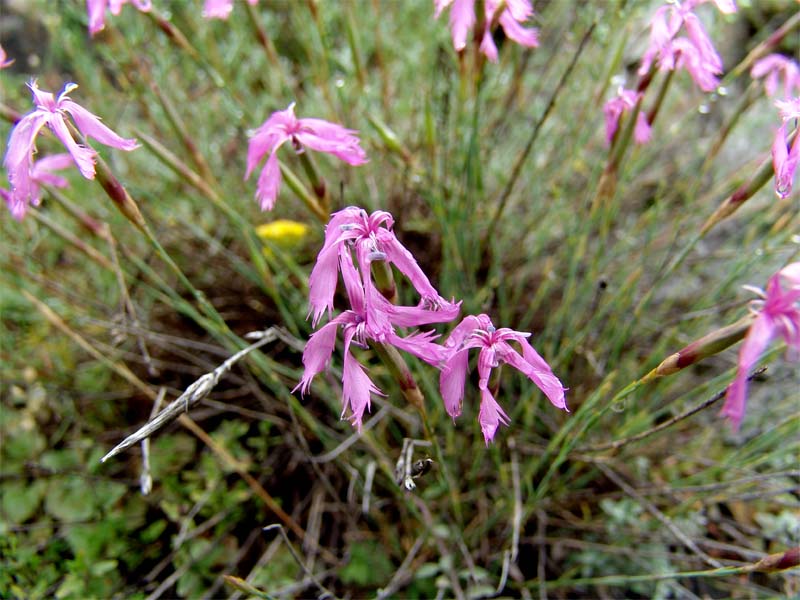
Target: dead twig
193	394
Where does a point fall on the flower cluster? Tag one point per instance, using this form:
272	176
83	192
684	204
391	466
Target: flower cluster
282	126
509	14
371	317
695	52
613	110
23	176
778	315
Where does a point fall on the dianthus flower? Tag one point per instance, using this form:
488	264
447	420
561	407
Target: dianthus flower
42	172
478	332
778	314
360	325
613	109
785	158
282	126
511	14
3	59
50	111
372	238
696	52
771	68
96	10
220	9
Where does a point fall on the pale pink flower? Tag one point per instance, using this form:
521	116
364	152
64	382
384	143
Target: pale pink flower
508	13
3	62
220	9
51	111
42	173
96	10
772	68
785	158
360	325
478	332
613	110
695	52
372	238
778	315
282	126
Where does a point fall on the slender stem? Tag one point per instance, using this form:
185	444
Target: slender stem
517	169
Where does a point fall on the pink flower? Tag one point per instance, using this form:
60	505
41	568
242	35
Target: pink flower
696	52
511	14
42	173
50	111
3	62
613	110
283	126
372	238
778	315
785	158
771	67
359	325
96	10
220	9
478	332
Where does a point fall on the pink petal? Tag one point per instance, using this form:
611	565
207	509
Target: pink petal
488	46
317	354
462	19
758	337
262	143
452	379
217	9
527	37
269	183
537	370
91	126
784	162
699	37
406	263
83	155
356	385
96	10
421	345
642	131
491	416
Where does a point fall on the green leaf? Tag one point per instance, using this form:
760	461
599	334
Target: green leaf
69	499
21	499
369	565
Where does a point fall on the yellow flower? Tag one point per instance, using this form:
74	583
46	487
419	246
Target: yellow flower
283	233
